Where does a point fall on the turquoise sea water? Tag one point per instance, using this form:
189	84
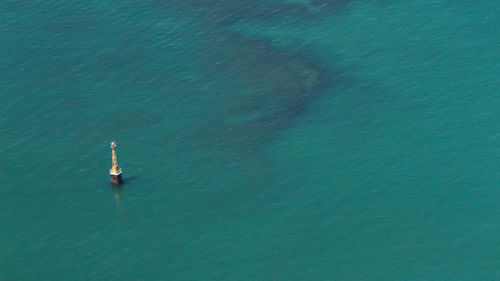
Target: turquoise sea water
262	140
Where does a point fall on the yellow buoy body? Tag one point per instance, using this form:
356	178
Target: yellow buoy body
115	172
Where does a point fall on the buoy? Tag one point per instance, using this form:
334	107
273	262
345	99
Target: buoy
115	171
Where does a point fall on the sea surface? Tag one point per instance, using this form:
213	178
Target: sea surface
259	140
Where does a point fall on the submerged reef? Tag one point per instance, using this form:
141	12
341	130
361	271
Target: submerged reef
272	86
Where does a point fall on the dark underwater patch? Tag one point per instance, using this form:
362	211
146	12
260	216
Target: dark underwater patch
272	87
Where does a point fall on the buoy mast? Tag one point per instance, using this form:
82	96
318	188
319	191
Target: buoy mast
115	171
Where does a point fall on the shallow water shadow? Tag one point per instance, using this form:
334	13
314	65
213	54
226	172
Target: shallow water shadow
272	88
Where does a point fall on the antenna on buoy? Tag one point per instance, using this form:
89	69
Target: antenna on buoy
115	171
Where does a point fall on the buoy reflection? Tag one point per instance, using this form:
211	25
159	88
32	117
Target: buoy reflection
117	192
